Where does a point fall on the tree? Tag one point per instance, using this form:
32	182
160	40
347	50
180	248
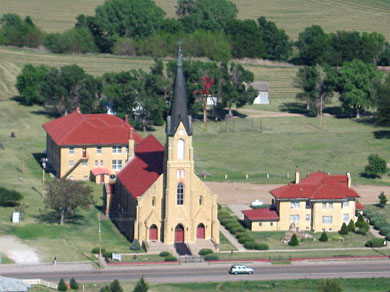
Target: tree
115	286
313	45
294	240
351	226
330	286
344	229
73	284
141	286
123	18
360	221
383	102
382	199
29	83
246	38
205	14
9	198
277	43
358	86
376	166
323	237
135	245
65	196
62	285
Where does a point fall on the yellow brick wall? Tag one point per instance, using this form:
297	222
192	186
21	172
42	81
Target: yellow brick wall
264	226
286	210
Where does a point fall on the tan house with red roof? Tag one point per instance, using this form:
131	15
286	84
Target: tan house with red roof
319	202
157	197
89	146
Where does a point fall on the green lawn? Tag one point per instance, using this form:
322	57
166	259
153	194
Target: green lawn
385	211
273	239
224	243
304	285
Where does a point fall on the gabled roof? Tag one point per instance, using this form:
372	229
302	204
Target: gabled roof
262	214
144	168
90	129
360	206
317	186
260	86
100	170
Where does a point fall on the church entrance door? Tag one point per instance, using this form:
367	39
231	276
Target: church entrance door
179	233
200	233
153	233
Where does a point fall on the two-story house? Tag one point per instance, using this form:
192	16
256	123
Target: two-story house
89	146
319	202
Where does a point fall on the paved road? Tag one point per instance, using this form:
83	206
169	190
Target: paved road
201	272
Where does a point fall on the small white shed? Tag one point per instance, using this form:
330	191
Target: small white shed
263	92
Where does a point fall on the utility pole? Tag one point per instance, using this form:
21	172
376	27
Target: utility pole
100	243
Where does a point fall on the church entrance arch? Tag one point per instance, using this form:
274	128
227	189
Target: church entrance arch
153	232
200	232
179	233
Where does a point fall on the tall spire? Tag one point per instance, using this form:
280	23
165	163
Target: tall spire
179	106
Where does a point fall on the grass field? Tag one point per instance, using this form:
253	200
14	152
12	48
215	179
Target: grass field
291	15
306	285
21	171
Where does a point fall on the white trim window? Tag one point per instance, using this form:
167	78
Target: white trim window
295	205
99	149
101	163
330	205
116	149
96	163
117	164
84	163
323	205
308	217
346	217
71	163
327	219
294	218
346	204
71	150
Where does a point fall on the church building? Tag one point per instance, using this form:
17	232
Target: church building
157	197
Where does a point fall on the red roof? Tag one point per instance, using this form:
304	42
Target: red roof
360	206
90	129
144	168
317	186
262	214
100	170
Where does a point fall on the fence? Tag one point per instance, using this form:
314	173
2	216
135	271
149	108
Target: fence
190	259
41	282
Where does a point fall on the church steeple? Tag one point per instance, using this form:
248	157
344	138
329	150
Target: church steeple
179	111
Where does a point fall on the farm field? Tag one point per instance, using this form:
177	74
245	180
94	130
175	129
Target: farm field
12	60
303	285
291	15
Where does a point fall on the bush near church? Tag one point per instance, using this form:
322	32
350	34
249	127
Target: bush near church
323	237
375	242
294	240
205	251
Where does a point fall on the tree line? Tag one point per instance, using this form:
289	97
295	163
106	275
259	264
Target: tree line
360	87
144	96
209	28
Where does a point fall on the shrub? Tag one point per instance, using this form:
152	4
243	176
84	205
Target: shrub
376	166
141	286
164	254
125	46
244	239
78	40
375	242
382	199
107	254
170	258
250	245
135	245
211	257
95	250
62	285
115	286
235	230
385	230
380	224
9	198
261	246
205	251
232	225
360	221
363	229
323	237
73	284
294	240
344	229
351	226
388	236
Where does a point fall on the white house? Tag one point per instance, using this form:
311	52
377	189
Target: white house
263	92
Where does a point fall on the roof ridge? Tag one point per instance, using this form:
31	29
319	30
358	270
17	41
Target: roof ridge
75	127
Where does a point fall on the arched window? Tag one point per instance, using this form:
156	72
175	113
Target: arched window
180	194
180	149
200	200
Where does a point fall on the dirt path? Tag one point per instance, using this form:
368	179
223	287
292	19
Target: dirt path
251	113
17	251
244	193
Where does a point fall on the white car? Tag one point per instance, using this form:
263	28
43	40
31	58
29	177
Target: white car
240	269
257	203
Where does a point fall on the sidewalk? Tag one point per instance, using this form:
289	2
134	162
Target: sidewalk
48	267
232	239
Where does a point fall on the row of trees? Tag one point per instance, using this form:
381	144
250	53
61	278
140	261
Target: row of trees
208	27
144	96
360	87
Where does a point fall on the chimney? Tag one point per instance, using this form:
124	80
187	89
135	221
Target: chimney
78	110
349	179
131	146
131	133
297	175
126	119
